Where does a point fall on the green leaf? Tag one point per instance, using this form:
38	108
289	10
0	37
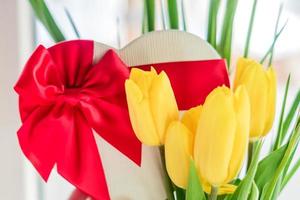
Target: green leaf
290	115
173	14
267	167
263	192
269	51
290	174
72	23
183	15
145	20
43	14
294	140
180	193
247	46
212	22
277	188
276	29
163	14
194	189
279	136
149	16
244	188
254	195
227	30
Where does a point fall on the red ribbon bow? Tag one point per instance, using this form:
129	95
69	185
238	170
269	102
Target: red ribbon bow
62	98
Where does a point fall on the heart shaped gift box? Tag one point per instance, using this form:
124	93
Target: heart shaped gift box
192	65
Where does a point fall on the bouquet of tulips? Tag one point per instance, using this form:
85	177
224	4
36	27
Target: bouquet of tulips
212	151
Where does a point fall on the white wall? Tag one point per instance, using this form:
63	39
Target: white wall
10	155
15	46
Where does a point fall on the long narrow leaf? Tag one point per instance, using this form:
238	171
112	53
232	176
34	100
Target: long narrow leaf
149	14
279	137
254	195
290	174
173	14
43	14
276	29
249	34
183	15
72	23
290	149
290	115
227	30
244	188
145	19
212	22
273	43
163	14
179	192
268	166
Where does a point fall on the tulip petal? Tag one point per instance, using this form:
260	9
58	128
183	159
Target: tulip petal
215	136
271	101
162	104
256	83
242	110
143	79
178	151
140	114
191	118
242	66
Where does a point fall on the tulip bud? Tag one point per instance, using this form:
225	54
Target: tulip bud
222	135
261	87
152	105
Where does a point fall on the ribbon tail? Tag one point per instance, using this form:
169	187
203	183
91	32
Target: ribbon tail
115	127
37	142
79	161
106	110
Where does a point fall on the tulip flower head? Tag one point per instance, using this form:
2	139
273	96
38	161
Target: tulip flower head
152	105
261	87
215	136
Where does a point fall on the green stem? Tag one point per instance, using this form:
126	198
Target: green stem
150	14
269	51
246	52
212	22
167	181
278	140
276	29
44	15
173	14
183	15
75	29
213	193
250	154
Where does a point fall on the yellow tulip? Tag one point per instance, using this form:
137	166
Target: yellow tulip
179	146
222	135
152	105
215	135
261	87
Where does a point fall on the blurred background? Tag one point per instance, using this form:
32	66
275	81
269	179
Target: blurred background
116	23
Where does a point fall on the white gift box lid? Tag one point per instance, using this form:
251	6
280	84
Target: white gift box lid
127	181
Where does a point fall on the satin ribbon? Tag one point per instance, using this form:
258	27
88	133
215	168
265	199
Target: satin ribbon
192	81
63	96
